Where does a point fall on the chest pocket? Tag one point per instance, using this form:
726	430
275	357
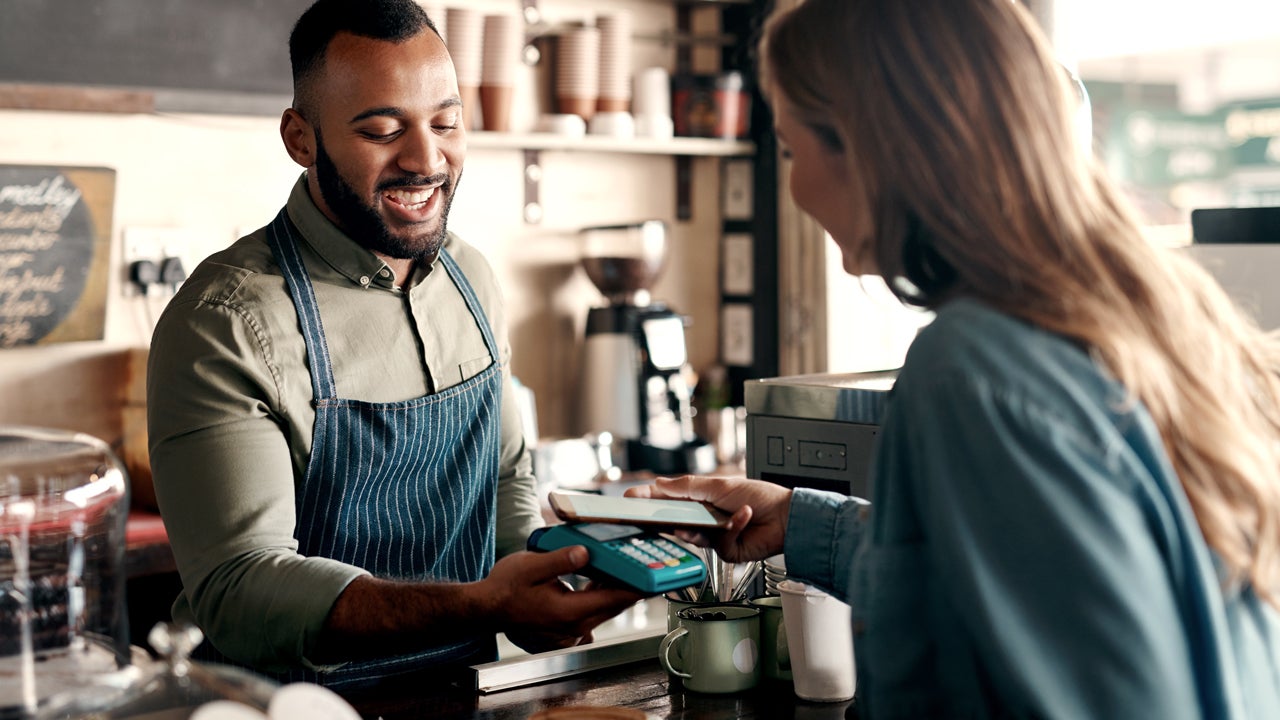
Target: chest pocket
470	368
894	648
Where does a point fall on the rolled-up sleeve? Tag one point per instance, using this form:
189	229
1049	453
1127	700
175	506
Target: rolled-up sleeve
224	481
823	532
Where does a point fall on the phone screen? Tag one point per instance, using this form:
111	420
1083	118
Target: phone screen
647	510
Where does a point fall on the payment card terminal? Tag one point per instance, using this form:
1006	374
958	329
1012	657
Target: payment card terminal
639	559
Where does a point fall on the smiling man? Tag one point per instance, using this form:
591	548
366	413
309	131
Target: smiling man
334	441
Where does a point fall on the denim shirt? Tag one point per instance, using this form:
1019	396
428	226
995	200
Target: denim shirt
1029	551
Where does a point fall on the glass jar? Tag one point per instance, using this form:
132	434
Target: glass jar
63	623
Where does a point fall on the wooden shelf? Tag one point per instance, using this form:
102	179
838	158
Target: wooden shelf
710	147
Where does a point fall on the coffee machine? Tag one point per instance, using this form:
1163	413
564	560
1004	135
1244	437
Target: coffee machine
635	360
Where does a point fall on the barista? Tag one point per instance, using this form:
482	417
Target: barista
335	441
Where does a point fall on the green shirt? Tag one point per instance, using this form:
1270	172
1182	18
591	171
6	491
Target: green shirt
230	419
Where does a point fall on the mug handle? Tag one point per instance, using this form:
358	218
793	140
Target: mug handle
664	651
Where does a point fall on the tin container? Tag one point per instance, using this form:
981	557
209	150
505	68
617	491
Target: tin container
712	106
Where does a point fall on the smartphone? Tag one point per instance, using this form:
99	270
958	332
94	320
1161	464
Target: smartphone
643	512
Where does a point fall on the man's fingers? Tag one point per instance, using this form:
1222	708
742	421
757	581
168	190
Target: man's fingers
548	565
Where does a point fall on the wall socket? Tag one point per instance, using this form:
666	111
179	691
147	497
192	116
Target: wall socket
156	243
150	243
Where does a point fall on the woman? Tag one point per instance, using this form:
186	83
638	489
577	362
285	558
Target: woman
1076	507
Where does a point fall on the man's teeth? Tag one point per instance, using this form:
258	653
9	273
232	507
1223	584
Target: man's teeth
410	199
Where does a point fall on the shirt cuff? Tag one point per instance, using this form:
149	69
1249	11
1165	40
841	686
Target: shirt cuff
326	580
810	545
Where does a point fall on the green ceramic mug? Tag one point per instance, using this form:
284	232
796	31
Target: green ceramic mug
674	606
715	649
775	656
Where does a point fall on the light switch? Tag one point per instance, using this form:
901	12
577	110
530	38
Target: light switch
737	192
736	334
773	451
737	265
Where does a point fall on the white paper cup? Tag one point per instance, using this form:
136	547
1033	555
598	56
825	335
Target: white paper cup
820	640
578	63
438	15
615	54
501	55
652	93
466	43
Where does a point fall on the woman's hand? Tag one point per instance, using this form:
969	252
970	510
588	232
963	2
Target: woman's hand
759	513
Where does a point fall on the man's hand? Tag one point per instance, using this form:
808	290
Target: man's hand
538	611
759	513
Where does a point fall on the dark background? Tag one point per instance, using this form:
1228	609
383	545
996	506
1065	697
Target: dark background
221	45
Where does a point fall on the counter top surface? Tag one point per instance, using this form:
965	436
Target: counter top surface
642	686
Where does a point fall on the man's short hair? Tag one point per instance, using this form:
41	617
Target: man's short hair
390	20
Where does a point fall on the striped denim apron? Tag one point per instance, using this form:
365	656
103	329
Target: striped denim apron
405	490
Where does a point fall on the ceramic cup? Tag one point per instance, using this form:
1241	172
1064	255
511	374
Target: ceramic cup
568	125
775	656
820	641
715	649
612	124
674	606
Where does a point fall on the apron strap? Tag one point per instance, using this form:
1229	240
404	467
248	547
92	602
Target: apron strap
285	248
473	303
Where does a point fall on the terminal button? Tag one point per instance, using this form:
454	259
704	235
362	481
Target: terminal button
829	456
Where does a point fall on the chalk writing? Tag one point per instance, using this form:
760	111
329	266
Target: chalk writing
47	246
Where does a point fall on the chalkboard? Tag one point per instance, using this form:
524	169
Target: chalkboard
55	241
236	46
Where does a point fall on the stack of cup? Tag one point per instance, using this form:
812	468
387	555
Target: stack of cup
466	47
577	71
615	62
436	11
775	572
652	103
502	40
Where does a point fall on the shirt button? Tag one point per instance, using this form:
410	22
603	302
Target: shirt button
384	273
364	280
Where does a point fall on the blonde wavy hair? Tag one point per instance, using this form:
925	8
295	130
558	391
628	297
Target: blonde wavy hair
960	122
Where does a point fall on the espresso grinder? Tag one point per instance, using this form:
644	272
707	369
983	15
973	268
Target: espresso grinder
635	361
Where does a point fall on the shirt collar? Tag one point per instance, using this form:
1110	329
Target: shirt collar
346	257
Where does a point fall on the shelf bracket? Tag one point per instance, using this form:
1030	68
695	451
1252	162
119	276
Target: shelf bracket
684	163
532	180
684	187
529	9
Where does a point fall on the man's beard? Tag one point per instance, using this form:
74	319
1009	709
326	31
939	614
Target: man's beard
363	223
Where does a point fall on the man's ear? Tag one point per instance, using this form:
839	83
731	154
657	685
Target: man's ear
299	137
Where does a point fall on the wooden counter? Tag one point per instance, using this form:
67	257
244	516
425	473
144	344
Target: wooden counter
642	685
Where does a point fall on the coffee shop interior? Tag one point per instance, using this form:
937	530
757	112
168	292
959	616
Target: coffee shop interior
664	205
